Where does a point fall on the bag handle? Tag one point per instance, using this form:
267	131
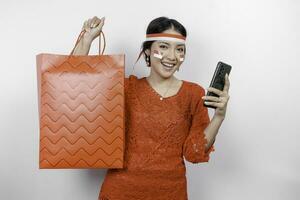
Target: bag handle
80	36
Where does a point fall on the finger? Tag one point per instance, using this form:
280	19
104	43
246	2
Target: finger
93	22
212	98
219	105
215	90
84	27
101	23
89	23
97	22
227	83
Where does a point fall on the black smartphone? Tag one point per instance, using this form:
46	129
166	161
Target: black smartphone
218	80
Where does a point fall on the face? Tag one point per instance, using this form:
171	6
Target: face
171	52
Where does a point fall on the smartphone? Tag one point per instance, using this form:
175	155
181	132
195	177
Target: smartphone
218	80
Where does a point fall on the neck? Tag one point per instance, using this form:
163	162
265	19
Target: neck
159	80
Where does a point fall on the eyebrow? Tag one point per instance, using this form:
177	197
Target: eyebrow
169	44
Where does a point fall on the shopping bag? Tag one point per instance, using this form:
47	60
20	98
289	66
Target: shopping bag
81	110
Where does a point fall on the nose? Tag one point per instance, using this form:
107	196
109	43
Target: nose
171	55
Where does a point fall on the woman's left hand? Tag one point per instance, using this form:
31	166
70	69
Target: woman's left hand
219	102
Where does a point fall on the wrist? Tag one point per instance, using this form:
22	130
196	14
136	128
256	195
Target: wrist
83	47
86	41
219	117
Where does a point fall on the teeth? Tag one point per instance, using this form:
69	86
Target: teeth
168	65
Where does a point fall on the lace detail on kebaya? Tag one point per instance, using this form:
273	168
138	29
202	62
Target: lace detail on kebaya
159	134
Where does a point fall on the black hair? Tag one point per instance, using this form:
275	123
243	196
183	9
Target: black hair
159	25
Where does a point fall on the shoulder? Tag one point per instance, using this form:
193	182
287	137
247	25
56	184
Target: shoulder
129	80
196	92
195	89
131	77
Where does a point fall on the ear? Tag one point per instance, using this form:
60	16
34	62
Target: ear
147	51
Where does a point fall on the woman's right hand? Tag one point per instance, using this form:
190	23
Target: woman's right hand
93	27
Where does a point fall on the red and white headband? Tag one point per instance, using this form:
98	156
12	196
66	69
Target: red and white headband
165	36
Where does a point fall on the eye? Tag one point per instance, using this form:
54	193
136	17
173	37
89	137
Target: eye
162	46
181	49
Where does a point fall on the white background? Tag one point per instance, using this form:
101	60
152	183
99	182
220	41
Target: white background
257	155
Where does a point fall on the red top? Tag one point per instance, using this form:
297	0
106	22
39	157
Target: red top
159	133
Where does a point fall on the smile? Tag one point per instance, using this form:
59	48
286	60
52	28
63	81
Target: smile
168	65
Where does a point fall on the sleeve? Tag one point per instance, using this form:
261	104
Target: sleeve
194	145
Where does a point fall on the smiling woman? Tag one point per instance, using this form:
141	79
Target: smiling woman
164	51
165	122
165	37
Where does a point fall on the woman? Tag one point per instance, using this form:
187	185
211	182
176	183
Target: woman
165	118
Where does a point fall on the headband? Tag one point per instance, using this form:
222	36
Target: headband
165	36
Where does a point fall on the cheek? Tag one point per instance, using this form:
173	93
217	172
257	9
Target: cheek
181	58
157	54
155	62
156	57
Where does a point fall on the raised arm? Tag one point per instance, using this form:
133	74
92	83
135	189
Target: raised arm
93	27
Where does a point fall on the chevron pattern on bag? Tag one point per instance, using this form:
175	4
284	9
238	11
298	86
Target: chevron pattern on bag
81	110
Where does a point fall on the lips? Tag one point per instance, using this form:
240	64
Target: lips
168	65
